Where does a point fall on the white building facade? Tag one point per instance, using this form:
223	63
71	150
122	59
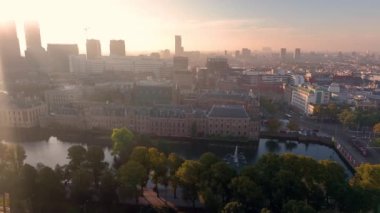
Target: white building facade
303	96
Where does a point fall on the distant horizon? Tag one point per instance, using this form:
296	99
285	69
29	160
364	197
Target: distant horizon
105	45
213	25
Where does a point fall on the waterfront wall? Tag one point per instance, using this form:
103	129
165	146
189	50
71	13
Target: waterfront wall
344	155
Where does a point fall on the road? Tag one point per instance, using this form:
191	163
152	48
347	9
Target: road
342	136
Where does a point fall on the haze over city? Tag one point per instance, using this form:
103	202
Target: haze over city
205	25
217	106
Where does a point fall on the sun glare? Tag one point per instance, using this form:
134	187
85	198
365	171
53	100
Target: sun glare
73	21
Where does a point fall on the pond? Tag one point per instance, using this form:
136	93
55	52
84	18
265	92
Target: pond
54	151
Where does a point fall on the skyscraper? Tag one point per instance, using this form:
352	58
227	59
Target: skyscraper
283	53
32	35
297	54
9	44
117	48
35	53
59	56
93	49
178	45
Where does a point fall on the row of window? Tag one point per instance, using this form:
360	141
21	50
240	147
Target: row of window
21	116
221	132
226	126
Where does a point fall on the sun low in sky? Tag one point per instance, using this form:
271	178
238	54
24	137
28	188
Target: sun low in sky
150	25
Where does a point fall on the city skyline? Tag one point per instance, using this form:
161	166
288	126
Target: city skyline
204	26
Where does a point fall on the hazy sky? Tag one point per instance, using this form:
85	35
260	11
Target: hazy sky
344	25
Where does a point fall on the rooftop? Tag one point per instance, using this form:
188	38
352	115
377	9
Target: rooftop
20	102
170	111
228	111
225	95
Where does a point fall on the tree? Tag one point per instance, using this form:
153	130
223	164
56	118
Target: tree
333	178
273	125
356	199
247	192
367	176
50	191
107	188
208	159
158	163
221	175
140	154
80	187
174	162
77	155
211	200
268	105
251	172
233	207
133	174
280	178
26	186
347	117
293	125
189	175
265	210
294	206
286	186
13	160
376	128
332	110
122	140
95	161
317	110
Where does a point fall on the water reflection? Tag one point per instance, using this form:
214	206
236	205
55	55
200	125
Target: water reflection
272	146
53	151
290	145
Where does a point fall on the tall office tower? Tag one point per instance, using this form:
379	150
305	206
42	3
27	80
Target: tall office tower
35	53
9	44
297	54
180	63
178	45
93	49
59	56
117	48
283	53
32	35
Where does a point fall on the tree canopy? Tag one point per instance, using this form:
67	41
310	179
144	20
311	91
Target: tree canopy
275	183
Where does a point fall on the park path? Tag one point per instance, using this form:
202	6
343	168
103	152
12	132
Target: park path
152	199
